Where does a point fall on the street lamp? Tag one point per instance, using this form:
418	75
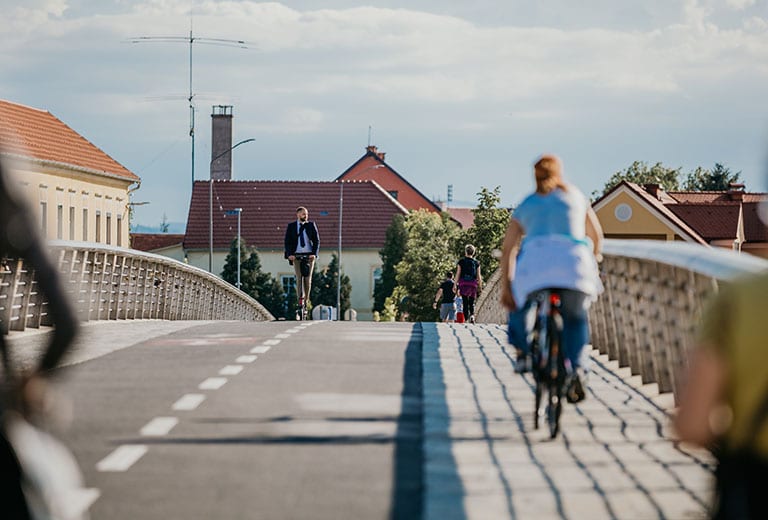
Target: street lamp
210	207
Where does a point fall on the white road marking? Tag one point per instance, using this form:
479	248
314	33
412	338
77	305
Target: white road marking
122	458
159	426
81	501
272	342
231	370
259	350
281	336
292	331
213	383
189	402
245	359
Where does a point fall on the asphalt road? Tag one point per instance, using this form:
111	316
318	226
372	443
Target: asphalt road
233	420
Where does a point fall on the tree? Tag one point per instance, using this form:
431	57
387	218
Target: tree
324	287
488	230
640	173
391	254
257	284
428	255
718	178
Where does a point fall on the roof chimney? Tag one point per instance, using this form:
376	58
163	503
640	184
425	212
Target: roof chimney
653	189
375	151
221	143
736	191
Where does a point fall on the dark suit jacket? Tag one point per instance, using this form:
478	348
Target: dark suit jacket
292	238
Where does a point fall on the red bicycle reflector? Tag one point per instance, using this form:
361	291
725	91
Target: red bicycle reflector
554	299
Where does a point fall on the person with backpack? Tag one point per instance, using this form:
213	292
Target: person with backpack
470	281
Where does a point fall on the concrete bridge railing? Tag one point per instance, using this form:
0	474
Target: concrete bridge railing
112	283
654	294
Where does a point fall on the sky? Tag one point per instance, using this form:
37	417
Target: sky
456	93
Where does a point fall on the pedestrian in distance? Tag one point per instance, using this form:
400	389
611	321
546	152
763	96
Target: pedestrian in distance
470	281
445	297
562	245
723	403
302	239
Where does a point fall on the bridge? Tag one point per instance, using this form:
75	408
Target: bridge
191	414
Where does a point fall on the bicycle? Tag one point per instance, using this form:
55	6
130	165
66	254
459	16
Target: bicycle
304	267
548	359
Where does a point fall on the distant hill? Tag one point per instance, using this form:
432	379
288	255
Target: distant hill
173	227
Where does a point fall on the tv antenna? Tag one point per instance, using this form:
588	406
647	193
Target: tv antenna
191	40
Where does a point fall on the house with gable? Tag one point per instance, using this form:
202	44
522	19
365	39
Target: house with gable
357	213
727	219
76	190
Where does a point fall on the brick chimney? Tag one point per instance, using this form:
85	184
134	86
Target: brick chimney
221	142
736	191
375	151
653	189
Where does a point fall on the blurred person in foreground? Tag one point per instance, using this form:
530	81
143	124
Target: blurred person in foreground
25	393
552	242
723	404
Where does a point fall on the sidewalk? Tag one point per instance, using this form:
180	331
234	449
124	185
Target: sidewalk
483	459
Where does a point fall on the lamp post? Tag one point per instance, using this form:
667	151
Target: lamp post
210	208
338	273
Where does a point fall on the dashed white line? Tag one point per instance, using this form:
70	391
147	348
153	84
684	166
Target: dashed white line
259	350
281	336
231	370
122	458
272	341
159	426
245	359
292	331
189	402
213	383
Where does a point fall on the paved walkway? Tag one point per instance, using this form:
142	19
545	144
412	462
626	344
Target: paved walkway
483	459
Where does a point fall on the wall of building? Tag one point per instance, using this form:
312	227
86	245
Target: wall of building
75	205
359	265
641	223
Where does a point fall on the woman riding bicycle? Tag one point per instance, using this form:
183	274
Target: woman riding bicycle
552	242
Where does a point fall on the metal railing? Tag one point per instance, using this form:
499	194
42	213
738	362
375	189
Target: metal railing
112	283
654	294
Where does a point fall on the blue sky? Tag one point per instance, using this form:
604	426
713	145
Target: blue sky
461	93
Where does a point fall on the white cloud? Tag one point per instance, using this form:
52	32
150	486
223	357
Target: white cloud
740	4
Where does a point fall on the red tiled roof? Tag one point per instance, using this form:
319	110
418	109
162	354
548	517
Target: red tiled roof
718	221
268	206
154	241
371	167
38	134
708	197
463	216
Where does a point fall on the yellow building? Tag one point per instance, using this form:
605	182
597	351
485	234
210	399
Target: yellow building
77	191
727	219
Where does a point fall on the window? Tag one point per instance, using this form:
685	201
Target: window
71	222
393	194
44	217
85	224
98	226
59	221
120	230
109	228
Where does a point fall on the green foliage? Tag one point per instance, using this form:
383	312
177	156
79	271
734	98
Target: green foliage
391	254
428	255
164	226
487	233
257	284
324	287
641	173
718	178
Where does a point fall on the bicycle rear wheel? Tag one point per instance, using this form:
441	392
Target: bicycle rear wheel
554	409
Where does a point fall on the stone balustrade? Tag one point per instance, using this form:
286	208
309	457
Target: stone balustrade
112	283
654	294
